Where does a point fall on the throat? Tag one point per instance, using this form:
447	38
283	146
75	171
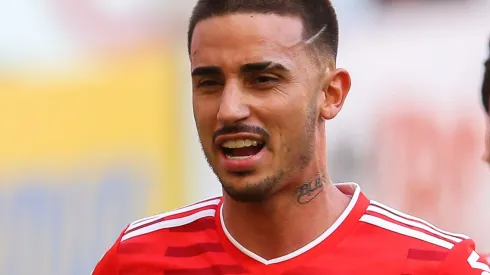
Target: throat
279	226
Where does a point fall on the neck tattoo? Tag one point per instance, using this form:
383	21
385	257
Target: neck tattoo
308	191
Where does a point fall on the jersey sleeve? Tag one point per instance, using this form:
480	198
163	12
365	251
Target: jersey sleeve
487	258
463	260
108	265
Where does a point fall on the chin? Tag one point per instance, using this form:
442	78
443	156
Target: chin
247	187
247	193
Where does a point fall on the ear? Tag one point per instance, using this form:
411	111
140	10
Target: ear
336	86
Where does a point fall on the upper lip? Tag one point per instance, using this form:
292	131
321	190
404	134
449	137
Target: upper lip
224	138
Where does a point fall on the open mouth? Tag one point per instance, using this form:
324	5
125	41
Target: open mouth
239	149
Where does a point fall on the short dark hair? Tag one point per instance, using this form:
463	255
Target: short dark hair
485	90
315	14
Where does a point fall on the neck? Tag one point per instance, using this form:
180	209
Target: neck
287	221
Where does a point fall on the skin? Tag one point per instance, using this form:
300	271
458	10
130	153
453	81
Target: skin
285	98
485	89
486	156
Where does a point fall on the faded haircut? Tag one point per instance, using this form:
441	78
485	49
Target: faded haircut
318	16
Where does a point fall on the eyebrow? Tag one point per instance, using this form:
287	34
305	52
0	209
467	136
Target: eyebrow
262	66
207	70
245	68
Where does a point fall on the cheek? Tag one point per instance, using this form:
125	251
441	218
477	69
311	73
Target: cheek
283	115
287	116
205	107
205	119
287	128
278	104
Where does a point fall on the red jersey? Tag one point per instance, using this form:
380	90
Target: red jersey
368	238
487	258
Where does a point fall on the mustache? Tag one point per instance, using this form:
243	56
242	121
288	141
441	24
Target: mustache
242	128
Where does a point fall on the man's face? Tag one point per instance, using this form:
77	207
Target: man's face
487	142
255	94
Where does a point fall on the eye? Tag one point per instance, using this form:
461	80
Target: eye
208	83
265	80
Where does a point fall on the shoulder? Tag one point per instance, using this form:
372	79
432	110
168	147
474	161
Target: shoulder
487	258
151	235
409	227
423	243
108	264
463	259
180	217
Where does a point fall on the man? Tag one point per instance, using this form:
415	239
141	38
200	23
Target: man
485	92
264	84
485	95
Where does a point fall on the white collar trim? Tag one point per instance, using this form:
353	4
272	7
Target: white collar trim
305	248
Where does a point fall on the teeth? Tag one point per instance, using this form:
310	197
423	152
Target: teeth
240	143
239	158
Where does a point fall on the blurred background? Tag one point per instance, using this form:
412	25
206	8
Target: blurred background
96	126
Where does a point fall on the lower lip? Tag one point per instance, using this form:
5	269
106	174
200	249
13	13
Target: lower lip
242	165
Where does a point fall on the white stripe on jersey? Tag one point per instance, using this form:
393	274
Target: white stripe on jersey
169	223
474	263
390	215
184	209
379	222
401	214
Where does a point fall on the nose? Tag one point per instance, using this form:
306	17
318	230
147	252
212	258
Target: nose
233	106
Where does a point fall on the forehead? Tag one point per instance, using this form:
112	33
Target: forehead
240	38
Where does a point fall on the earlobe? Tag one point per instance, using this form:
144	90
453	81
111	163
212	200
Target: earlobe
336	86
